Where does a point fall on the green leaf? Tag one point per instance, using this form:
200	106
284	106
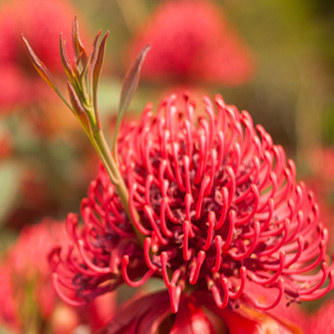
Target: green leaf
97	37
39	65
129	87
42	70
78	109
64	58
78	47
97	66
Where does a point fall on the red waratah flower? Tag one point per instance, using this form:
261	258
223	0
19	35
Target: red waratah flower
197	314
217	206
192	41
41	21
27	268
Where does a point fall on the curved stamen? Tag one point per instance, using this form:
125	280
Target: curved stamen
139	226
219	248
62	296
150	215
309	291
256	196
186	165
250	249
194	272
148	184
147	246
205	182
88	263
187	253
232	215
274	277
222	218
217	296
321	292
211	222
300	242
163	259
275	302
127	280
239	291
163	224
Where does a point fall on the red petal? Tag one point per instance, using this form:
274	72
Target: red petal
247	320
190	319
141	316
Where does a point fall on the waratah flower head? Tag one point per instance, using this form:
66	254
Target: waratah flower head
217	205
192	41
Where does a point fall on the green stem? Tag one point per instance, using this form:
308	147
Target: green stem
101	146
134	12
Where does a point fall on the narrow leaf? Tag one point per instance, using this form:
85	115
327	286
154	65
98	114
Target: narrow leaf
39	65
129	87
85	69
92	64
42	70
78	109
97	71
94	52
63	56
78	47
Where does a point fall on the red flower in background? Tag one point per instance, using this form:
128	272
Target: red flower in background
192	41
320	179
25	267
8	310
26	285
218	207
40	21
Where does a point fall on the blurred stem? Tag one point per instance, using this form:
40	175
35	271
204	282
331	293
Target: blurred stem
309	110
134	13
31	316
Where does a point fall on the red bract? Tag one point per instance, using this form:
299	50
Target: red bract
217	205
322	320
192	41
197	315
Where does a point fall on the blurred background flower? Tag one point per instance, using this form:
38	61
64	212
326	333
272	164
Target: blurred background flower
192	43
31	304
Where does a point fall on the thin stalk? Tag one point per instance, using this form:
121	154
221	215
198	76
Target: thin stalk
134	12
120	186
